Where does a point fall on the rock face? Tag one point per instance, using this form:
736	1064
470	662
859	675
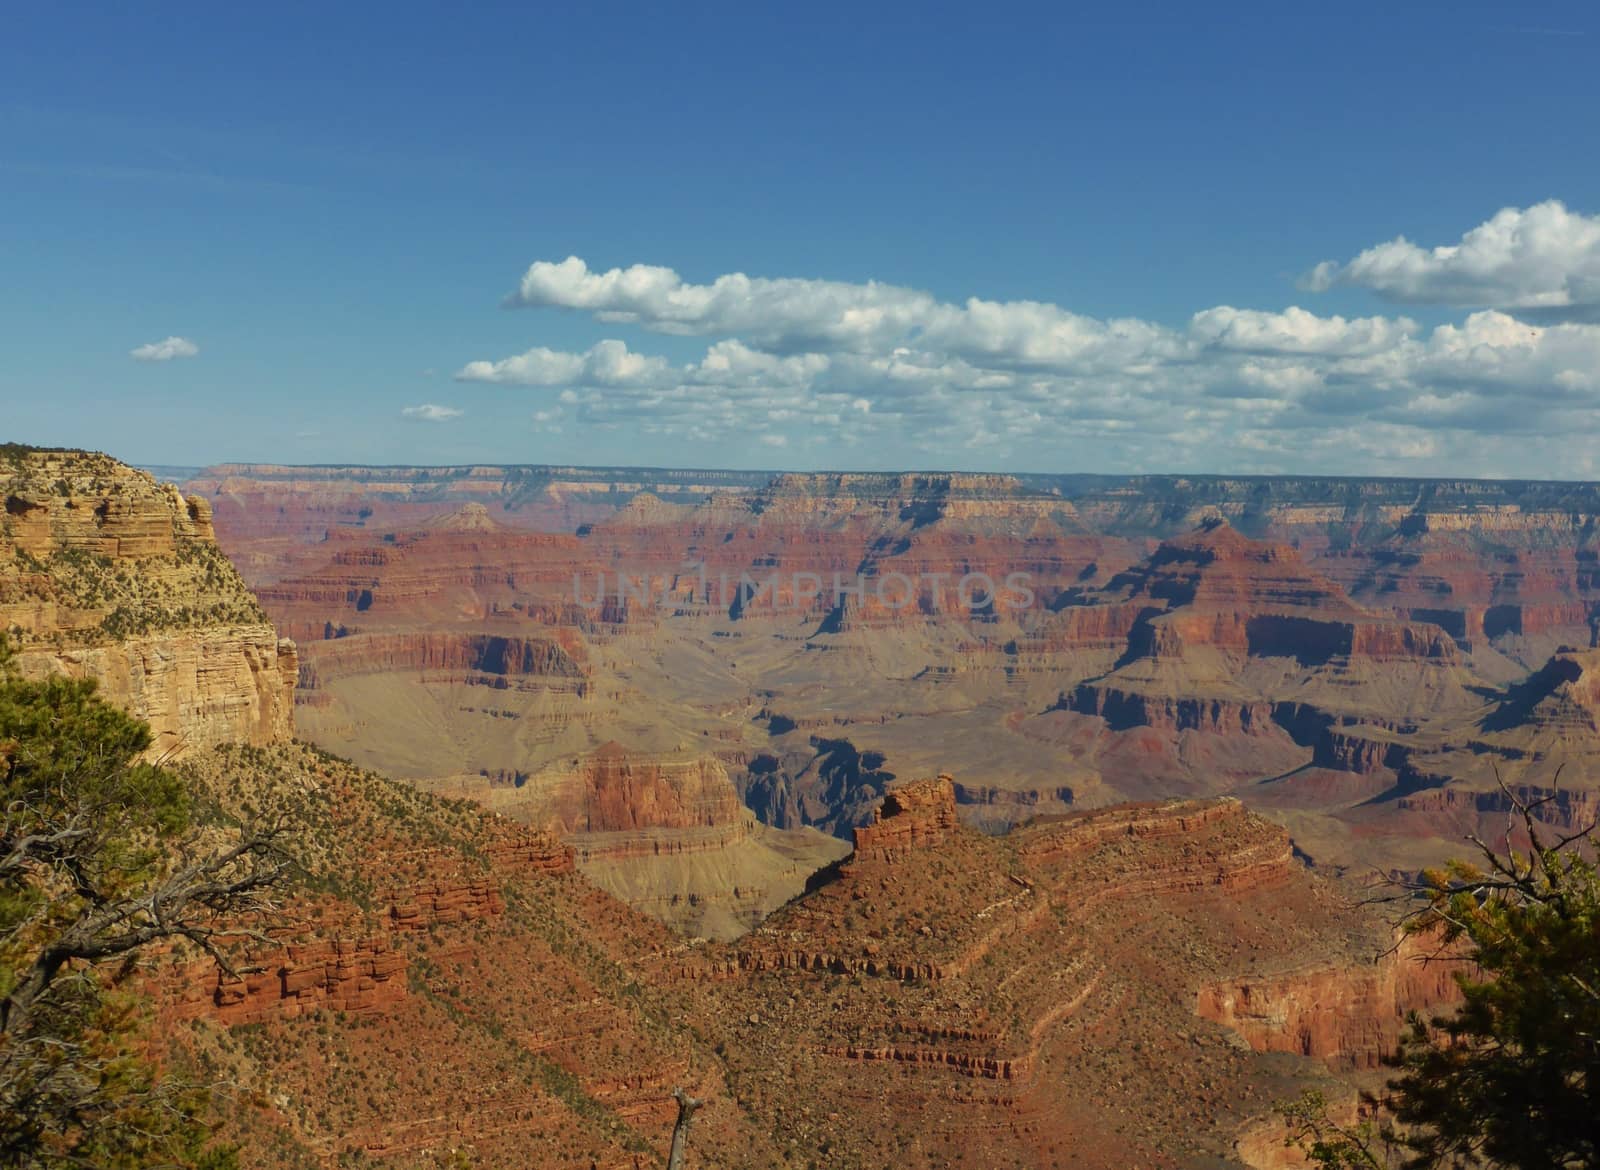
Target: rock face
610	792
1216	589
1238	662
912	817
666	834
1036	995
108	575
492	660
197	688
1350	1018
345	975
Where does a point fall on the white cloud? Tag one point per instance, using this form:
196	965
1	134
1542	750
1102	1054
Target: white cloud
430	412
1295	331
1029	333
780	312
822	363
1542	260
607	363
165	350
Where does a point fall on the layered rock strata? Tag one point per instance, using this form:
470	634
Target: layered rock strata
106	574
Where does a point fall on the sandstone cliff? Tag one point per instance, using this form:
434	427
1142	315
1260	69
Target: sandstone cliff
106	574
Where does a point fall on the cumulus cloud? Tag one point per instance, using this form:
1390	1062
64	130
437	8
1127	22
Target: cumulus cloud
430	412
1295	331
1540	262
165	350
811	364
608	363
784	312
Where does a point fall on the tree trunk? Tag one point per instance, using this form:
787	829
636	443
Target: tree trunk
680	1132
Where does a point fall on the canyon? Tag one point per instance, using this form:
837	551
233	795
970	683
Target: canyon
1066	882
1327	650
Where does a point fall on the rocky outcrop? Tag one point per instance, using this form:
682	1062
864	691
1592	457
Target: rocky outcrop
106	574
1564	810
1347	1016
967	976
454	894
1362	750
347	975
424	906
80	502
1240	661
966	1063
1123	709
615	791
530	853
1216	589
1244	855
914	816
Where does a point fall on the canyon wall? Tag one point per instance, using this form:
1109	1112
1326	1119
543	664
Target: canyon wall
1349	1017
106	574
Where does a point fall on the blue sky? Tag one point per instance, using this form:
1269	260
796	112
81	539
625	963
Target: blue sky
331	207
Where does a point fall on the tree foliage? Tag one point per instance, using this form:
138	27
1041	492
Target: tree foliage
101	854
1362	1144
1510	1078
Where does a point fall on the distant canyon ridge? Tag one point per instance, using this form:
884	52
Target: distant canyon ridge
1358	659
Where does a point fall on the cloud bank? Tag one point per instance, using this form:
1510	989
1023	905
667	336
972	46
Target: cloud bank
165	350
803	365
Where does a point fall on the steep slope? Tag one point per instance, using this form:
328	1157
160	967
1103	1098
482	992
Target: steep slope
444	985
1132	986
1070	994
